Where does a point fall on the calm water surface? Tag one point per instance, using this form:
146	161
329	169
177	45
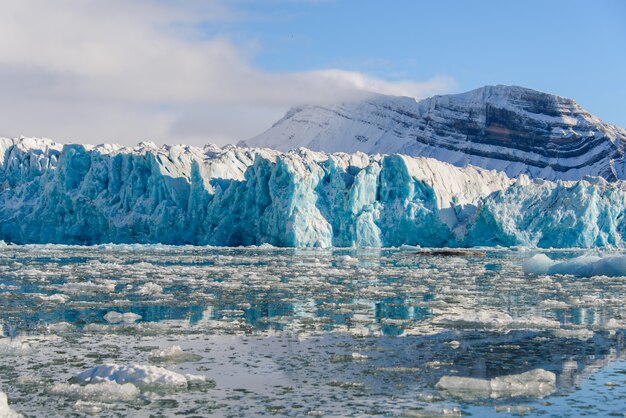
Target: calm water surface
308	332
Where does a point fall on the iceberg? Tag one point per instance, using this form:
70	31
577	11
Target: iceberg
137	374
233	196
583	266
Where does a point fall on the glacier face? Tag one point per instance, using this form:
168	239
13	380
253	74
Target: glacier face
512	129
80	194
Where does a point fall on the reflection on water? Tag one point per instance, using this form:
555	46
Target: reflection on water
291	331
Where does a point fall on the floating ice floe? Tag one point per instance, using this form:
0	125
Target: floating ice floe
14	348
579	334
101	286
5	409
55	298
536	383
139	375
113	317
107	391
584	266
173	354
150	289
347	260
487	318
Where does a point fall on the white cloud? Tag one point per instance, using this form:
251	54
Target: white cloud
100	71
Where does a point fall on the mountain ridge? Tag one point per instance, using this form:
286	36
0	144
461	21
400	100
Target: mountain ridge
508	128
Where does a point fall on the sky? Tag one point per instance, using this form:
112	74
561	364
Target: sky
217	71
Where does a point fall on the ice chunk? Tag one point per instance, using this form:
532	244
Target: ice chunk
536	383
55	298
465	387
150	289
173	354
579	334
108	391
137	374
359	356
583	266
537	264
113	317
5	409
347	260
14	348
489	318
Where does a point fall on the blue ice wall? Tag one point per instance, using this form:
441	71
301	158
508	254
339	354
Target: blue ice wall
75	194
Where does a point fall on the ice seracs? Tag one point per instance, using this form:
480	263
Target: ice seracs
230	196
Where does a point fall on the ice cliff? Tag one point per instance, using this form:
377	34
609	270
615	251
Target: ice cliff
507	128
80	194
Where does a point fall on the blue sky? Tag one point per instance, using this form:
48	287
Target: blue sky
199	71
572	48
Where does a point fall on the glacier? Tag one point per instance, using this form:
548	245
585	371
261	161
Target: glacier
237	196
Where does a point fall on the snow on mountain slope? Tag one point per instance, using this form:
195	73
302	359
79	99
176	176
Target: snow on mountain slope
78	194
511	129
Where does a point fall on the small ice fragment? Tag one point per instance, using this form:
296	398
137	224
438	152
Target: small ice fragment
581	334
465	387
55	298
14	348
452	344
113	317
536	383
537	264
514	409
5	409
60	327
173	351
173	354
150	289
359	356
347	260
553	304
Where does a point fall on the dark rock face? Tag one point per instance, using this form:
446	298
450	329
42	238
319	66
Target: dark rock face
513	129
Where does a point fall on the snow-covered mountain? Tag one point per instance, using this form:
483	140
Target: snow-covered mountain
80	194
511	129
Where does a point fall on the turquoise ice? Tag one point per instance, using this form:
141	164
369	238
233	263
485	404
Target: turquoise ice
80	194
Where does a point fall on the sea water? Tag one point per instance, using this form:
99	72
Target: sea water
132	330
